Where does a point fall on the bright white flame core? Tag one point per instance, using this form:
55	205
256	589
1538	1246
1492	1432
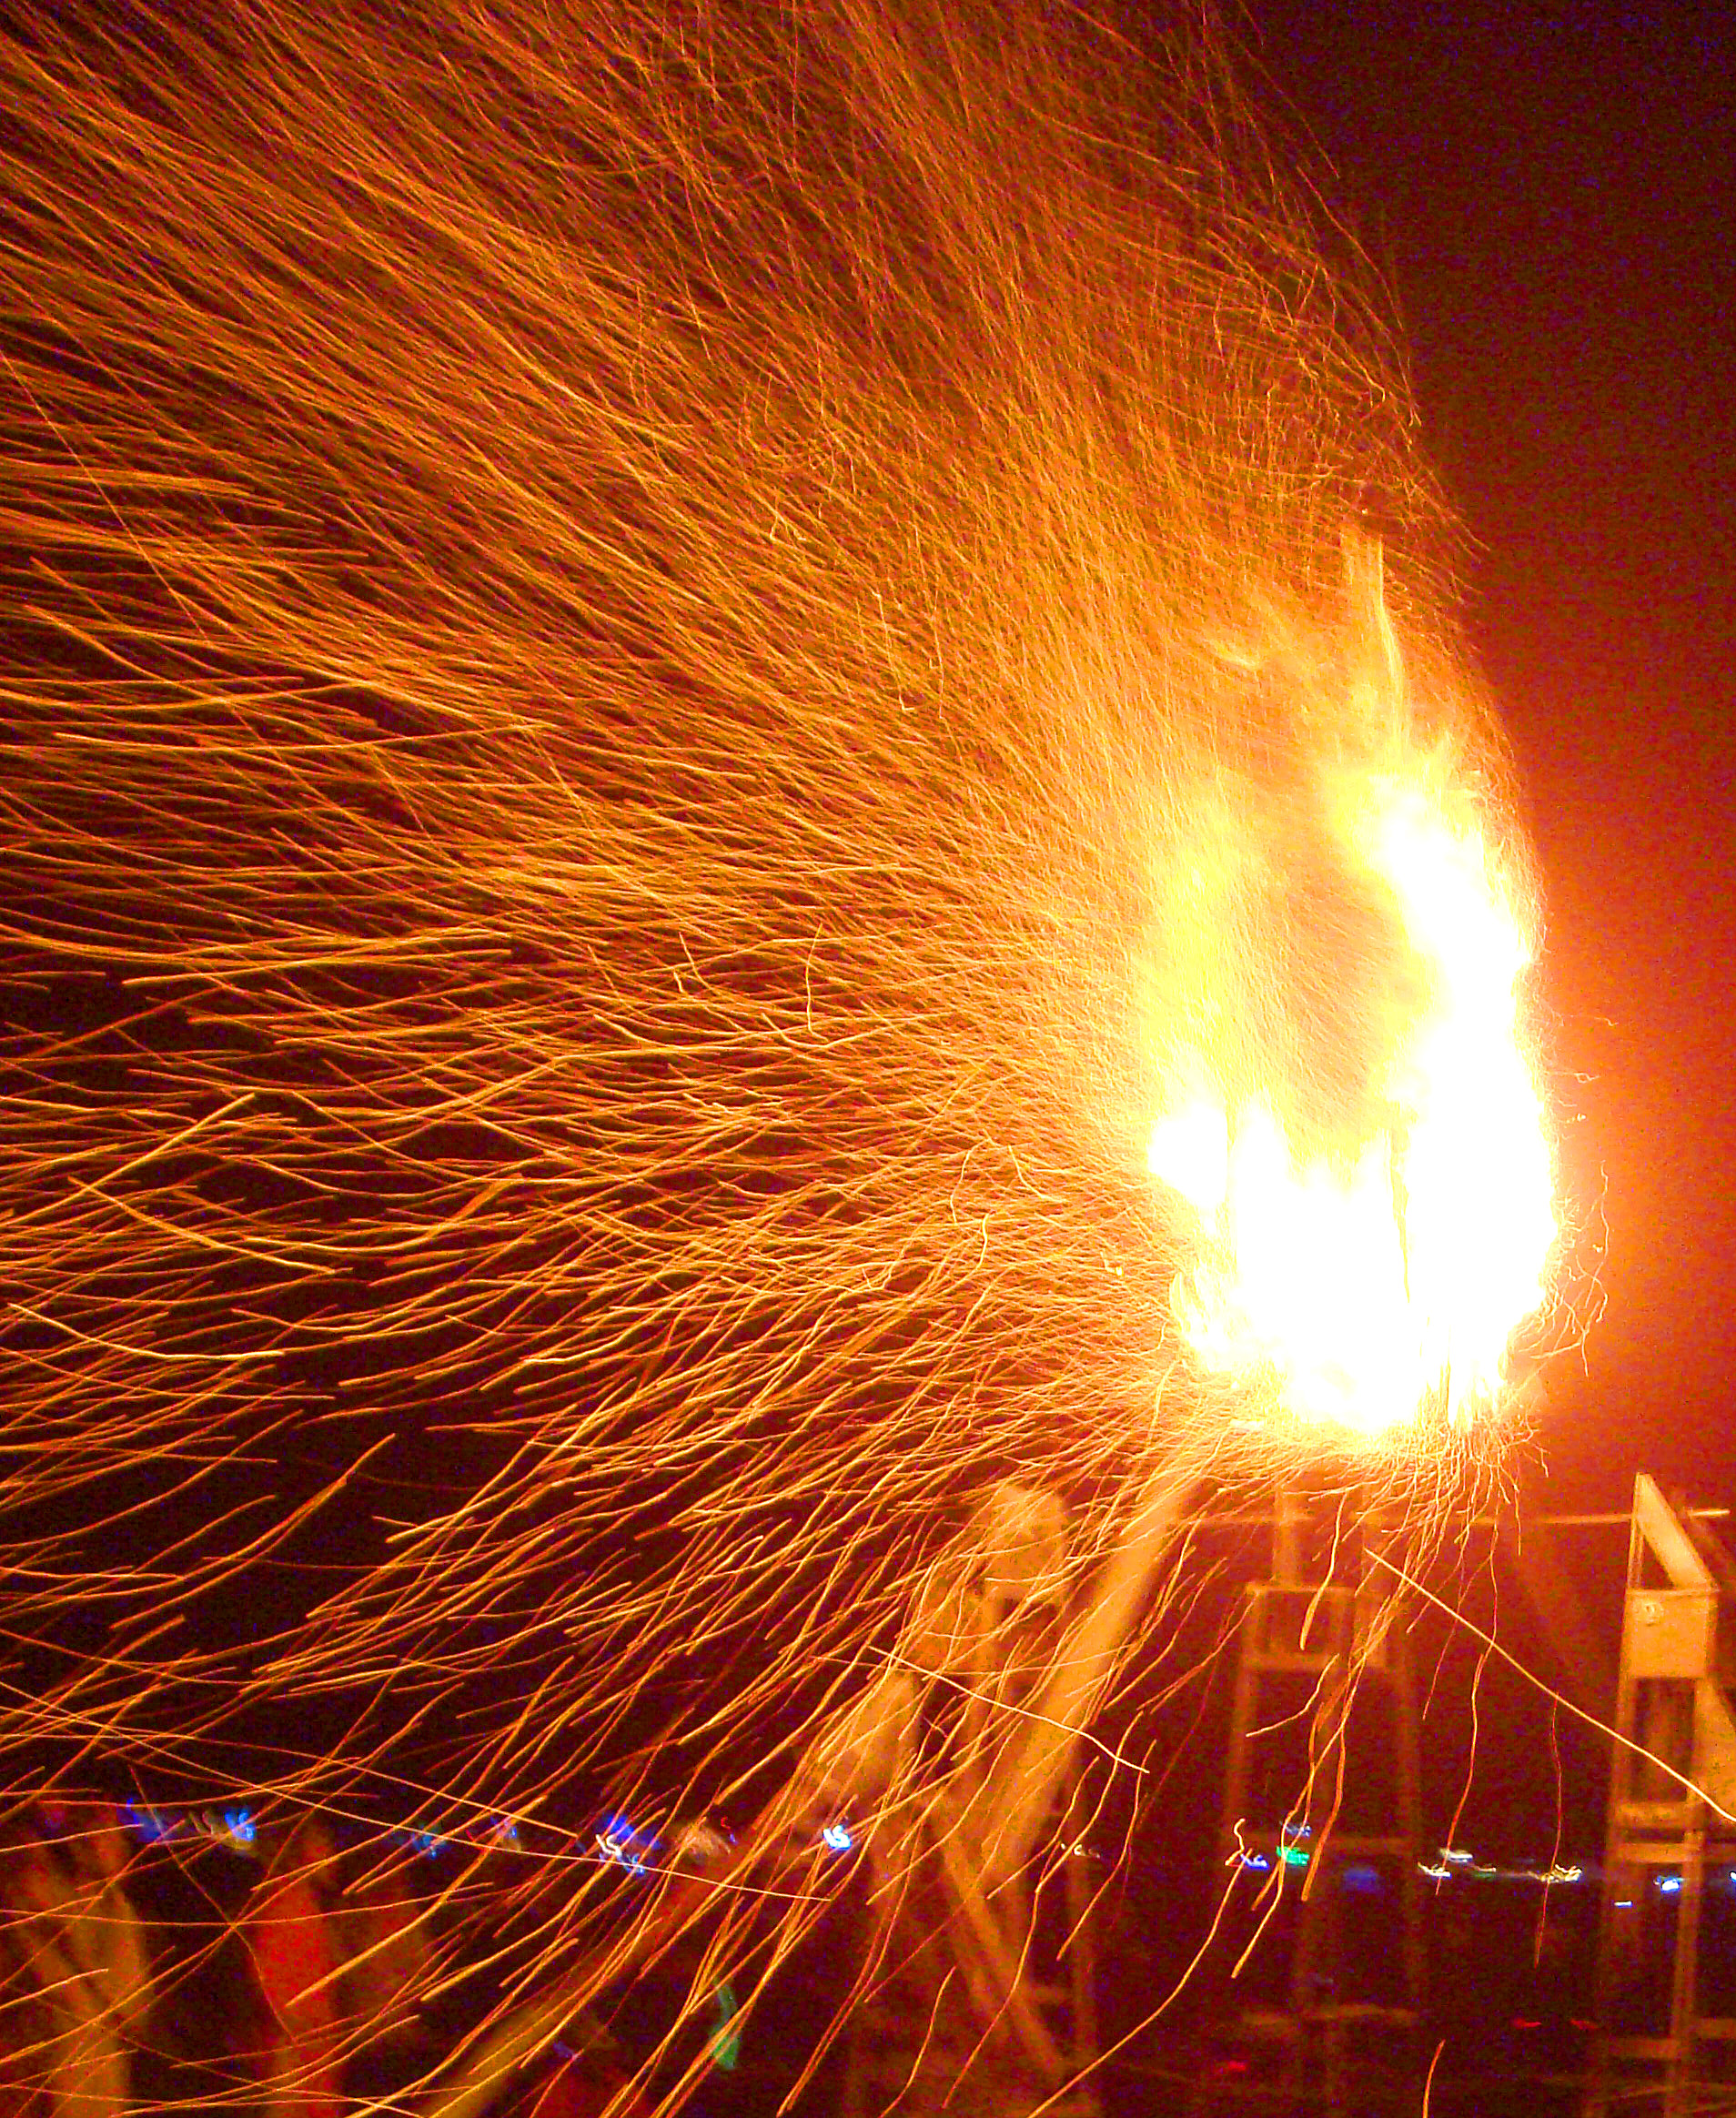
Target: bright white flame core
1362	1292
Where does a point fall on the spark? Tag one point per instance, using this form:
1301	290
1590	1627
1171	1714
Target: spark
683	682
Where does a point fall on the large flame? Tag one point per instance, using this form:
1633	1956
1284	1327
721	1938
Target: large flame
1358	1291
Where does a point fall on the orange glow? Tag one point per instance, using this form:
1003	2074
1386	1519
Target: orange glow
1360	1291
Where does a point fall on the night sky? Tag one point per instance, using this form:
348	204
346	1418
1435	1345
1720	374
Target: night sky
1552	195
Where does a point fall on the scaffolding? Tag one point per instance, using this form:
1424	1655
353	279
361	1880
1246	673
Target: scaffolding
991	1956
1667	2038
1312	2040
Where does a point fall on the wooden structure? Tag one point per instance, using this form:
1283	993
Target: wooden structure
1038	2001
999	1886
957	1827
1667	2044
1313	2041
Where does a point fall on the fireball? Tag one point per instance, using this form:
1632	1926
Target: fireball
1382	1277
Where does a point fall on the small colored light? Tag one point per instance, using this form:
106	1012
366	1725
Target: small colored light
1293	1856
837	1836
726	2039
618	1841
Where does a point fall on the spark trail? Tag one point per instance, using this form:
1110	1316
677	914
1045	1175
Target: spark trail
671	673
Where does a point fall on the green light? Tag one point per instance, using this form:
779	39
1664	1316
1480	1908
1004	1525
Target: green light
1293	1856
726	2042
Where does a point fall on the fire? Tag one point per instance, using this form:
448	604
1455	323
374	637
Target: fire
1358	1291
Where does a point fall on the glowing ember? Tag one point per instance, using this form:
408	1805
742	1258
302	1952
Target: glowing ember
1361	1289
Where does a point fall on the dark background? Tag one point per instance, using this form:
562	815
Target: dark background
1551	194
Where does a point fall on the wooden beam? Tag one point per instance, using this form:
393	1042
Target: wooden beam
1006	1816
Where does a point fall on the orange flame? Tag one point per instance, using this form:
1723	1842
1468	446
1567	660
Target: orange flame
1358	1294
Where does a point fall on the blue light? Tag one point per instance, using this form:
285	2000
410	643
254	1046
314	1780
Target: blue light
618	1841
837	1836
1669	1884
239	1825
